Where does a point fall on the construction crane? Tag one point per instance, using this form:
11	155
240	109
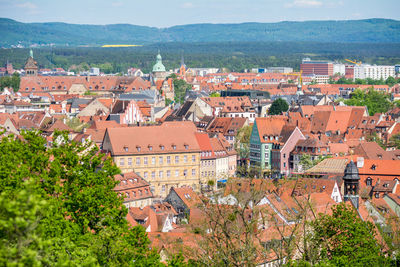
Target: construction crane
300	80
354	62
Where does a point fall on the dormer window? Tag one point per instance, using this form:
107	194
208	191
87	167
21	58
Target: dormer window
161	147
373	167
150	148
130	180
138	148
126	148
174	147
386	185
186	147
124	181
369	181
136	180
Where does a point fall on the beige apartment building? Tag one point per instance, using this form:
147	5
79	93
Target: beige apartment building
166	155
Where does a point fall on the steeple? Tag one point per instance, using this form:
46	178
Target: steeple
158	67
31	67
351	181
182	61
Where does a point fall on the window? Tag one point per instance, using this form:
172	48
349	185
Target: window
145	161
129	161
185	159
153	174
138	148
126	148
186	147
168	173
145	175
176	173
122	162
193	172
377	195
173	147
194	158
162	147
137	161
369	181
163	188
153	160
160	174
176	159
160	160
185	172
150	148
168	159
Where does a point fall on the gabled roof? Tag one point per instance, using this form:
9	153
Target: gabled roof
371	150
205	146
188	196
170	137
270	126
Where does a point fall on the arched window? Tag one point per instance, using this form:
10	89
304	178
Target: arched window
369	181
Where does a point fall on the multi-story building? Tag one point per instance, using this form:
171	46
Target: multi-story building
310	67
265	132
229	107
207	160
135	189
374	72
166	156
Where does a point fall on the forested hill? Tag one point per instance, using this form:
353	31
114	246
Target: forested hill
346	31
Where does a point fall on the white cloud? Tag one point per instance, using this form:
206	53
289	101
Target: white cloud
187	5
31	8
304	3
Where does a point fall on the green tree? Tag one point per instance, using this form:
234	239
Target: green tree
345	239
12	81
395	141
278	106
376	102
58	207
180	88
215	94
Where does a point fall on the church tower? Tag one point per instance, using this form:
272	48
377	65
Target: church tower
351	181
31	68
159	72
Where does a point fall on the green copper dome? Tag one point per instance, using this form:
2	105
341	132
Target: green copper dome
158	67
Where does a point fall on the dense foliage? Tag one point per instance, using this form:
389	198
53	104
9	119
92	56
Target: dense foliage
343	239
234	56
180	88
58	207
10	82
390	81
278	106
346	31
376	102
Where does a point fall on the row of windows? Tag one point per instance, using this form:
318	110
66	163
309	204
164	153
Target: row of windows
208	163
167	173
164	187
153	160
207	174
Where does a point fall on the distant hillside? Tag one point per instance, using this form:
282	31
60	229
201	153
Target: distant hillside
347	31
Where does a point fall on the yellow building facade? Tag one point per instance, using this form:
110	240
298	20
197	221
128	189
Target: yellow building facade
166	156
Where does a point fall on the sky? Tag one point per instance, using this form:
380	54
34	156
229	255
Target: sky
166	13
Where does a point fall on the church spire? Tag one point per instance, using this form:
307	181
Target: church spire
31	53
